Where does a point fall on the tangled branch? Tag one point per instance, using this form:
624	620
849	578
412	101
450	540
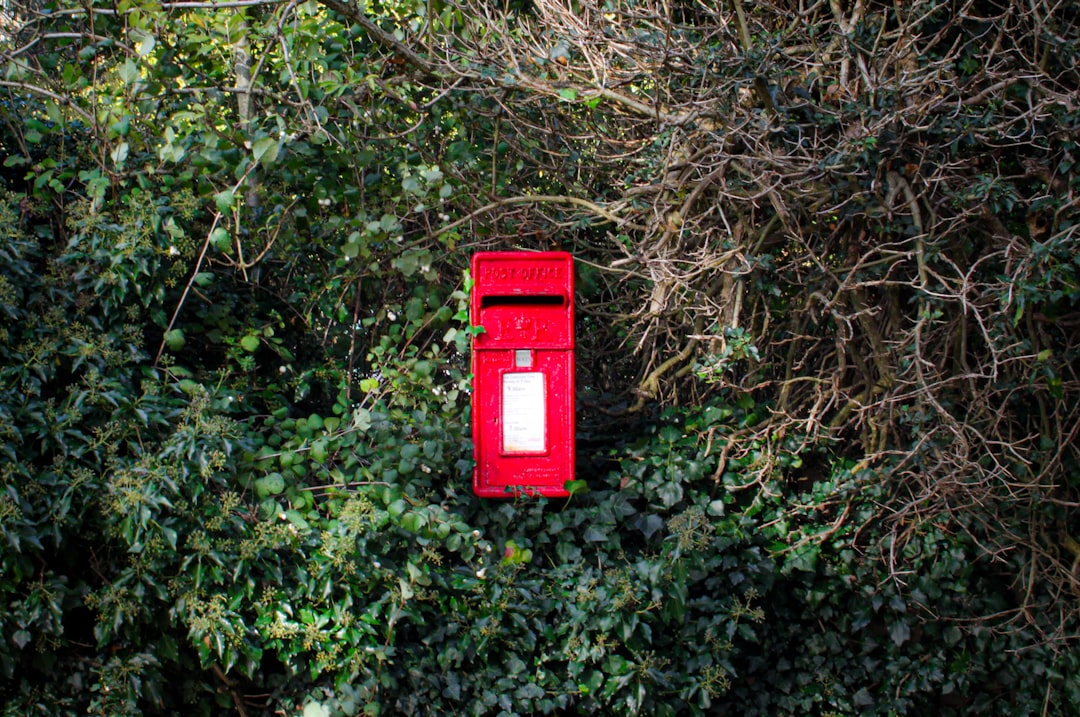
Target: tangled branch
879	198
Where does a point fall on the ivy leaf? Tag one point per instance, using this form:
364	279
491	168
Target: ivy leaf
670	493
899	632
21	638
575	487
224	200
594	535
220	239
670	434
649	524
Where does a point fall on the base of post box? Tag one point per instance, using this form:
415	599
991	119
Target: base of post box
533	484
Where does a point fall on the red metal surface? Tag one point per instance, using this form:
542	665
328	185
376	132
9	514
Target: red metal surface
523	373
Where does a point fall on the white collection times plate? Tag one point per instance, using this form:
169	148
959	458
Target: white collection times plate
524	412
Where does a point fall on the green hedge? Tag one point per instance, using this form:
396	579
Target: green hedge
234	390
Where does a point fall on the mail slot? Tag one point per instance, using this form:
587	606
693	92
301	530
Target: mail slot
523	373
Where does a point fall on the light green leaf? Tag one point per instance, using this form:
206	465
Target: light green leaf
144	43
120	154
16	70
413	522
265	150
220	239
268	485
417	575
352	245
406	264
174	339
576	487
224	200
129	72
294	517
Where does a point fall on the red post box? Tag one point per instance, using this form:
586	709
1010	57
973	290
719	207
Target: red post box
523	373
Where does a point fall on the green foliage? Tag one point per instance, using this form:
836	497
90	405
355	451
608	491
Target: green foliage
234	390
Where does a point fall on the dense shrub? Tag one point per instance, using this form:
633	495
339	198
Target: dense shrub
827	318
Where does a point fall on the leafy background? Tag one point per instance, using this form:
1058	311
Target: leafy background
827	320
